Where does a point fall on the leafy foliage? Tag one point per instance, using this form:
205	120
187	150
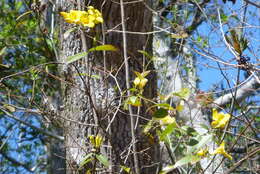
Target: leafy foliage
24	46
28	74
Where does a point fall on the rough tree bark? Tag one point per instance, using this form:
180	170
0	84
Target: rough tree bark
90	104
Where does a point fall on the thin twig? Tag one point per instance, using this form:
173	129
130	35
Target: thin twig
252	3
237	164
136	165
50	134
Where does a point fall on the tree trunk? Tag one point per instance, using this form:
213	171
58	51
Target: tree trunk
94	105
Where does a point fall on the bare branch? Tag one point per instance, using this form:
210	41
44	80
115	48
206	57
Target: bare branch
250	154
253	3
50	134
14	161
247	88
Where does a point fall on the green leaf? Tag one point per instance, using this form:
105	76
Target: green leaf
204	126
167	131
236	44
243	43
224	18
103	48
133	90
160	113
145	54
134	100
167	169
103	160
199	39
192	142
145	73
184	93
24	14
191	131
76	57
126	169
2	51
138	74
203	140
164	106
187	159
86	159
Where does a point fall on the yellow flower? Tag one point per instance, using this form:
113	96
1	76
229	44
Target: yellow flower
76	16
96	141
86	18
140	82
168	120
221	150
219	119
66	17
95	15
87	22
203	152
99	19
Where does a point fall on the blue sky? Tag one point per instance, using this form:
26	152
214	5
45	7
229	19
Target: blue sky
211	76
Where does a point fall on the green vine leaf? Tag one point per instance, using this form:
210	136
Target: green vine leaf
103	48
87	159
160	113
187	159
78	56
103	160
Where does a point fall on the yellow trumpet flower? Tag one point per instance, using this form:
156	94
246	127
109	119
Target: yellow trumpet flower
88	18
219	119
221	150
96	141
140	81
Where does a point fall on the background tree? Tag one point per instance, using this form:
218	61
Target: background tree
112	120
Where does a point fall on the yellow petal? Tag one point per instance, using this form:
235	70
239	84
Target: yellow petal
221	150
99	20
91	24
167	120
97	12
64	14
66	17
202	152
137	81
219	119
227	156
91	12
89	18
143	83
98	141
90	7
215	114
180	106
